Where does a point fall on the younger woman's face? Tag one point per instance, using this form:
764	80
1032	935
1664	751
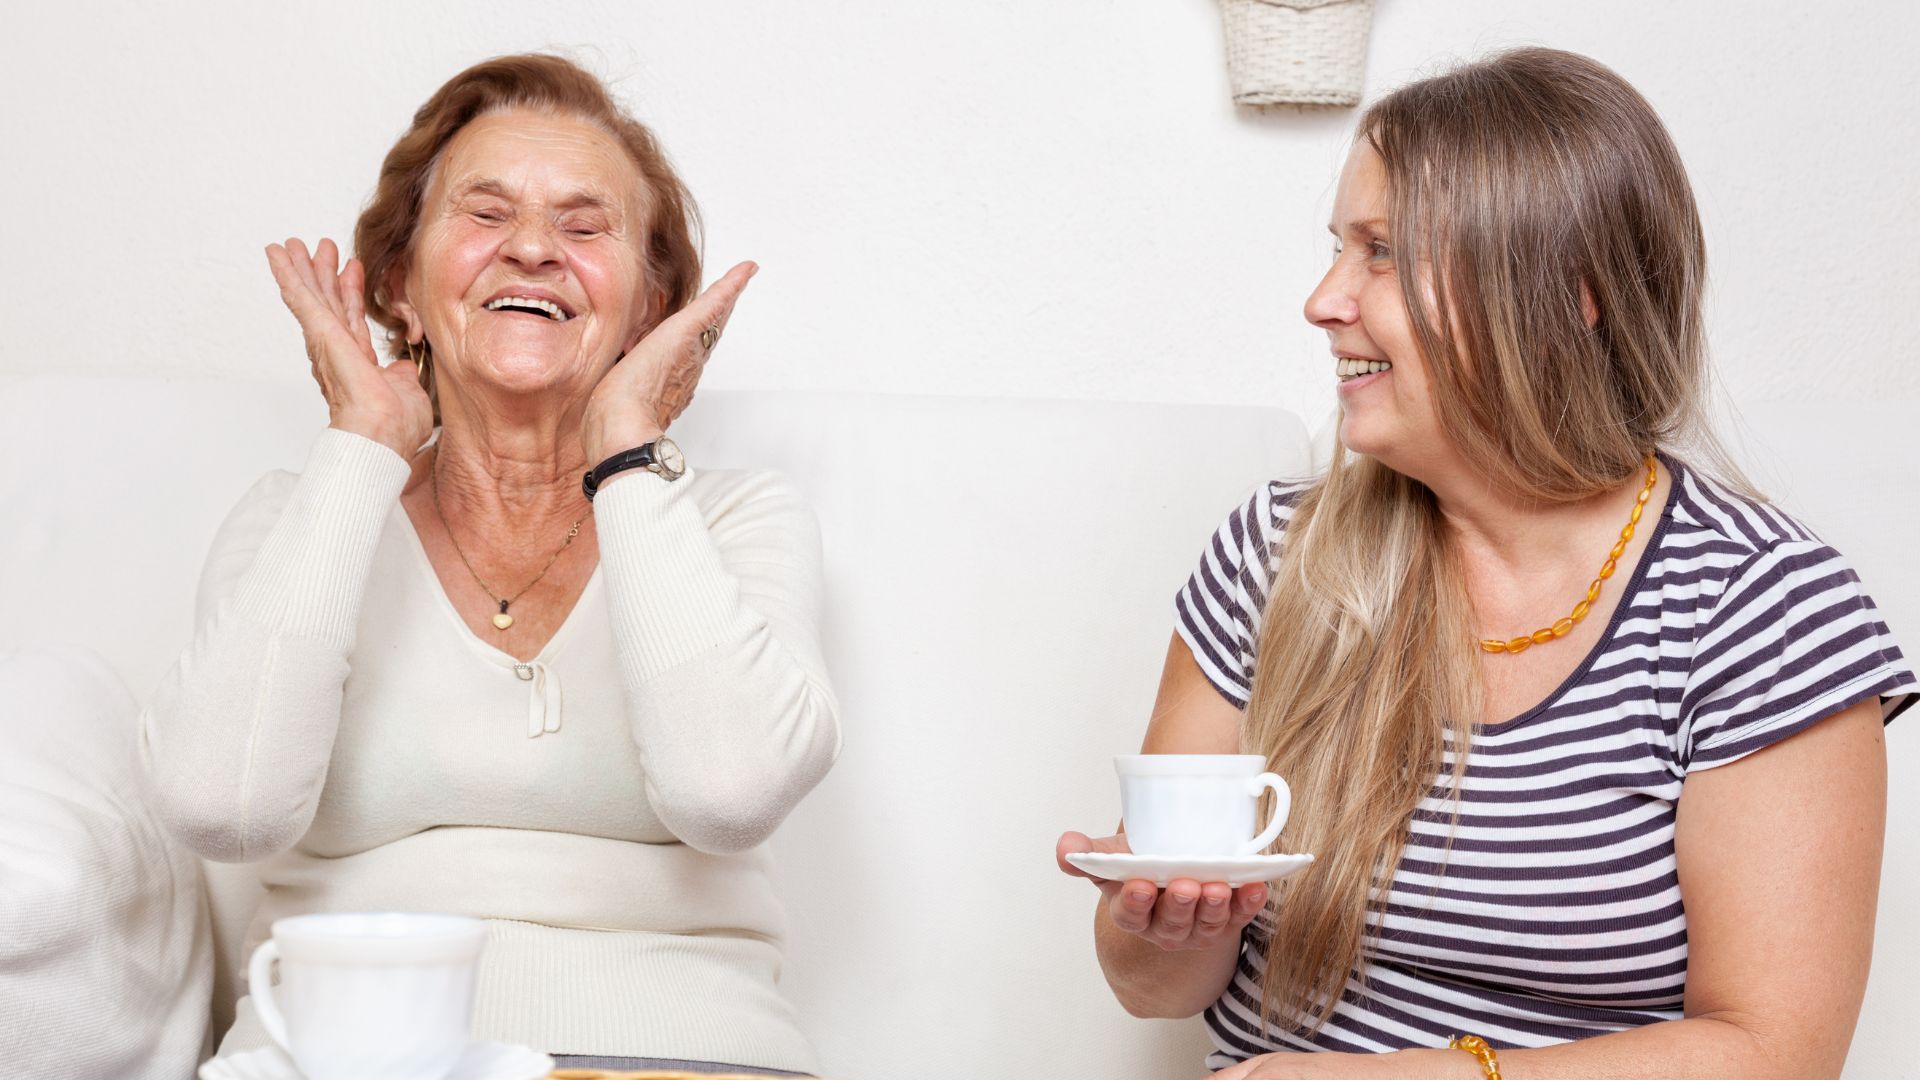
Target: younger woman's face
1386	411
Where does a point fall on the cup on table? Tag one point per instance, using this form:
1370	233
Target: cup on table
376	996
1198	805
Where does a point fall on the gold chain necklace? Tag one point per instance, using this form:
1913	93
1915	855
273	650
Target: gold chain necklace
1564	626
502	620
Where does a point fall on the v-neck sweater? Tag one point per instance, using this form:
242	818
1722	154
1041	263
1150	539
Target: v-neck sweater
336	721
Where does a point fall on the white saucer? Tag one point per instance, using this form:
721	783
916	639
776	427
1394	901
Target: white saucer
1235	870
482	1061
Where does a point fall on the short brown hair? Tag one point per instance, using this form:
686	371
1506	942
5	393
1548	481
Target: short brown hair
383	237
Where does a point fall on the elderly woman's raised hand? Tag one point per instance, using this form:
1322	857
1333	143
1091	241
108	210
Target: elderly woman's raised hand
649	387
385	404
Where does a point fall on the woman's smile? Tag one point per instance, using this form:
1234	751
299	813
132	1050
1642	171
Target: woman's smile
1355	372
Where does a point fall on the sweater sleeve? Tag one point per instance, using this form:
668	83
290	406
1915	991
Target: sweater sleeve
236	740
715	594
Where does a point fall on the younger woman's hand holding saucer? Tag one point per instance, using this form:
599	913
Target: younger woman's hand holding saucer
1187	914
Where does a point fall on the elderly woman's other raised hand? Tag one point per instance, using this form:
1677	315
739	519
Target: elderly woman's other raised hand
651	385
385	404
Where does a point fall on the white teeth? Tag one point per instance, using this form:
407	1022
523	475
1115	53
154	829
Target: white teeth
1347	368
552	309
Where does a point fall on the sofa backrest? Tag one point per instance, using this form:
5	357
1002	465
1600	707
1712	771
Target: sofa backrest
1000	573
1000	576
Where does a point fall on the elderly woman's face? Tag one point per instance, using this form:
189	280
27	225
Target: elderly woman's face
529	206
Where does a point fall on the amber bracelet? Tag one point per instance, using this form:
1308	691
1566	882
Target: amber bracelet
1477	1046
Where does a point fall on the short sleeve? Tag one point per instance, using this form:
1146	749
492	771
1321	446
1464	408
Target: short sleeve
1793	639
1217	612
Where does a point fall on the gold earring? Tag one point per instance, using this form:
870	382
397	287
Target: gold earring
422	359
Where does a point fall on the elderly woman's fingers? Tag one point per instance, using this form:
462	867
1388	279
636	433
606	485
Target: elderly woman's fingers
714	307
353	284
294	290
727	290
326	272
302	261
334	337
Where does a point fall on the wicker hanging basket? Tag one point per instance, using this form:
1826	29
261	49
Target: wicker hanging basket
1296	52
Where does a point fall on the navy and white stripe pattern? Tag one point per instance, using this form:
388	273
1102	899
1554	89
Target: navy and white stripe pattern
1557	913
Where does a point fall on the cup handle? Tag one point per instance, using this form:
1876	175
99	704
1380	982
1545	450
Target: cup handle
260	986
1282	803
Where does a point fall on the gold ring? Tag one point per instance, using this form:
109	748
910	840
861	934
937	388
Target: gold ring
709	336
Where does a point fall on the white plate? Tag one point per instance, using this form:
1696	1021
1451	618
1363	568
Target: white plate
1235	870
482	1061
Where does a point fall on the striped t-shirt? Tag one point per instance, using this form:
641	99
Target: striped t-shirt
1557	914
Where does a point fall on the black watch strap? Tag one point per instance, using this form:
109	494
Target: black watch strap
637	458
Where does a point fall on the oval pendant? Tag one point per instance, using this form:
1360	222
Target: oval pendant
503	620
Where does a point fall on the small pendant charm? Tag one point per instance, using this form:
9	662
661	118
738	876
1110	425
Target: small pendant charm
503	620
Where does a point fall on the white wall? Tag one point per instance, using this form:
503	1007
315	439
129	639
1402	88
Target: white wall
1045	198
1002	197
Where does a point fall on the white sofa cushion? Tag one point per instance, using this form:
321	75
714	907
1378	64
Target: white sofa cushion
106	956
1000	578
1000	581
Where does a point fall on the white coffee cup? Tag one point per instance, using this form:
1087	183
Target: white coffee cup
1198	804
376	996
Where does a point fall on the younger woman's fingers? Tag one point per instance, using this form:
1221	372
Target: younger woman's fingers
1214	913
1174	914
1132	909
1236	1072
1249	899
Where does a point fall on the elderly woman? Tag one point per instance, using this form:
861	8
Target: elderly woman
1584	735
441	671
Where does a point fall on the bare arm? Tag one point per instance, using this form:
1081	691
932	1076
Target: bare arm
1171	952
1779	862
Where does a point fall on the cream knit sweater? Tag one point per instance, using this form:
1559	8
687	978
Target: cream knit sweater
336	722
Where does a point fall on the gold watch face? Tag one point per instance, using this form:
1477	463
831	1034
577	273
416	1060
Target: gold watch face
672	462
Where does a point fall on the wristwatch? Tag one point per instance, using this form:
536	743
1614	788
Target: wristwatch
662	457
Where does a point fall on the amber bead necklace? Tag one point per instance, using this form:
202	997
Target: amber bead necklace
1565	626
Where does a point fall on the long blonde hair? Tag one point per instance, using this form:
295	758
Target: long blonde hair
1517	181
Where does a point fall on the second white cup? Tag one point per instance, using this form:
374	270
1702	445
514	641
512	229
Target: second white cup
1198	805
380	996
